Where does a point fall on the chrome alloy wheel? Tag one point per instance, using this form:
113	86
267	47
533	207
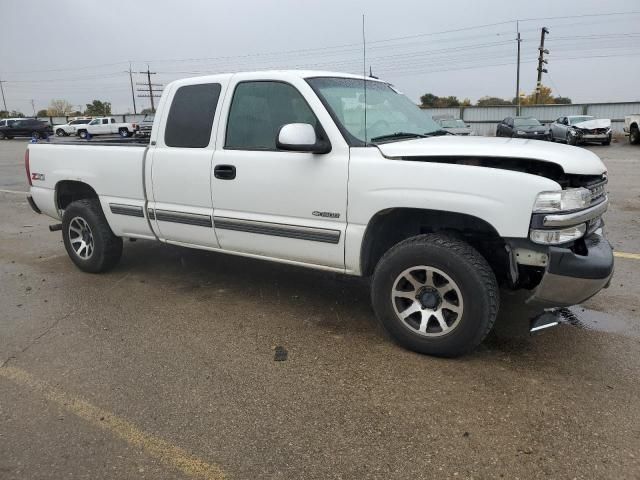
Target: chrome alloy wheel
81	238
427	301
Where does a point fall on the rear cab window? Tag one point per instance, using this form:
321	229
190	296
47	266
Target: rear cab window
191	115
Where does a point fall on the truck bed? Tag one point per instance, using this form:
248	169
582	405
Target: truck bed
115	174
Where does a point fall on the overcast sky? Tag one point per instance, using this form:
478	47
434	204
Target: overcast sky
80	50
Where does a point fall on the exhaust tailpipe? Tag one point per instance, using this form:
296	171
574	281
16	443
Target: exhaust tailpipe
543	321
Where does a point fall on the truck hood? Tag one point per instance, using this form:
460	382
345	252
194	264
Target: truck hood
595	123
573	160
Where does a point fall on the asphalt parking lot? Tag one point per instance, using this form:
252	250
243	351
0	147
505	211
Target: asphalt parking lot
164	368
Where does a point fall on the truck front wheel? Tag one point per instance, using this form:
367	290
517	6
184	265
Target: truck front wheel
88	239
435	294
634	135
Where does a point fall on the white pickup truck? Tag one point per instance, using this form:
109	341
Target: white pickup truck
284	166
106	126
632	128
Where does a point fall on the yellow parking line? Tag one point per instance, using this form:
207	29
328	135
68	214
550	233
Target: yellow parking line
633	256
169	454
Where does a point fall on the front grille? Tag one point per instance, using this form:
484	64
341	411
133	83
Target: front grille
596	184
598	191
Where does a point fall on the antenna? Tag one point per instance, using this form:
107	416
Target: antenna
364	78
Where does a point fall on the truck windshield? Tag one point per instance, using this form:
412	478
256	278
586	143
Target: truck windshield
390	115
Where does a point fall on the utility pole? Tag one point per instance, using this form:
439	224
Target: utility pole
133	95
33	106
3	100
541	62
152	94
519	40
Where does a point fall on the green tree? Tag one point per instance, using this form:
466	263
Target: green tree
11	114
449	101
562	100
428	100
489	101
98	108
42	113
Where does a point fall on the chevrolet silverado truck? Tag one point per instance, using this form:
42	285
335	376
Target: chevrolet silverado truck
297	167
632	128
106	126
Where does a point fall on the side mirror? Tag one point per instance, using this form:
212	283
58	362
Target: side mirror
301	137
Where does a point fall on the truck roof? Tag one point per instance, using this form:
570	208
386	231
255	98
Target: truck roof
274	74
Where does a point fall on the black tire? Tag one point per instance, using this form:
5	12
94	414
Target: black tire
36	135
607	142
61	133
571	139
124	133
469	271
107	248
3	136
634	135
550	137
82	133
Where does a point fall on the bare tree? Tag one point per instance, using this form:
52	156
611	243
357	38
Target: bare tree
59	108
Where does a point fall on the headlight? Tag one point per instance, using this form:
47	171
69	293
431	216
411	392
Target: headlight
556	237
520	132
559	201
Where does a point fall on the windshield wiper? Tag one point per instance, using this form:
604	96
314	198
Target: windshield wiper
398	136
437	133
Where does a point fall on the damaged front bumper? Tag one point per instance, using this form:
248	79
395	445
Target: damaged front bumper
571	278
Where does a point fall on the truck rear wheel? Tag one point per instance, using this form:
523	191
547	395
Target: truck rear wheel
87	237
435	294
634	135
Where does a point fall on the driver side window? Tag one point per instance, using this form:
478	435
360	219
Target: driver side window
259	109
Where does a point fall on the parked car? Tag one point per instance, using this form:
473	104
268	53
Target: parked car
576	129
453	125
106	126
632	128
9	121
521	127
25	127
144	127
71	127
283	168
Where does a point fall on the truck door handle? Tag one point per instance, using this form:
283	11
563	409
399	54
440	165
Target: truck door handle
224	172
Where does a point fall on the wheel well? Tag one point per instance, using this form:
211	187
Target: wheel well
69	191
392	226
633	125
